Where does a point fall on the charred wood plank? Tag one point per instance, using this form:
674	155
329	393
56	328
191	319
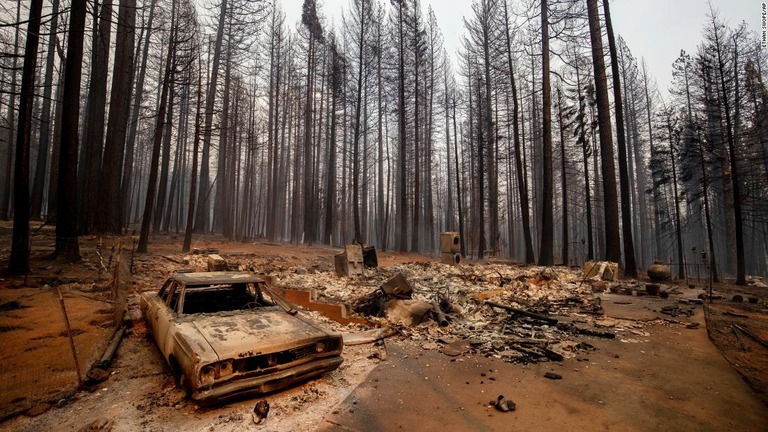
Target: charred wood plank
516	311
583	331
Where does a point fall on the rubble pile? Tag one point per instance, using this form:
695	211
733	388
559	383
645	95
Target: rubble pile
515	313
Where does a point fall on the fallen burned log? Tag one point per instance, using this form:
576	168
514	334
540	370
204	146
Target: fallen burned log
516	311
535	353
752	335
587	332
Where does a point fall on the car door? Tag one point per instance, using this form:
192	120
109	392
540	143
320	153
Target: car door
153	305
165	316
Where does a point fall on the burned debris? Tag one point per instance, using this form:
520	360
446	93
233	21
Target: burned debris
519	314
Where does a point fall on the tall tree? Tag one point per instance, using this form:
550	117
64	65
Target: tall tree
157	138
138	97
19	260
611	207
89	169
717	37
67	246
336	78
311	21
630	267
5	202
109	210
547	224
201	221
45	118
522	187
402	203
360	22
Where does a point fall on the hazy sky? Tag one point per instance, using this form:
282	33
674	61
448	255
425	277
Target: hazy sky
654	29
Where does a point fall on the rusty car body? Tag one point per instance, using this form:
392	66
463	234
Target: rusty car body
227	335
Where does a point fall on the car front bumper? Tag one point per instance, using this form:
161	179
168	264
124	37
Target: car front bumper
247	386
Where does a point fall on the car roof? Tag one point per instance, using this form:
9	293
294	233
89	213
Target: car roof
199	278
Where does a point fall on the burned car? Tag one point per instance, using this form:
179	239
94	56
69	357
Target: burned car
227	335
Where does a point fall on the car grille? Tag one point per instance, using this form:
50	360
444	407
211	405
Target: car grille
261	363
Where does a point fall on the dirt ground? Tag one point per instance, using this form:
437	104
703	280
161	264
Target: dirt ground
657	374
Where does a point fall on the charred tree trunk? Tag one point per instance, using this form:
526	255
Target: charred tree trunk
19	259
67	246
93	139
127	182
630	267
45	118
193	180
611	210
547	224
521	185
157	142
109	210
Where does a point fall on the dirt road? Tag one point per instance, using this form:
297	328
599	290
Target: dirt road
674	379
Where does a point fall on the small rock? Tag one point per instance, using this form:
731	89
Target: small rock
753	300
300	271
430	346
598	286
553	376
692	326
738	299
502	404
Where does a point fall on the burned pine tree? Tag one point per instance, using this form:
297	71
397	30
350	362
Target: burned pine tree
611	210
19	259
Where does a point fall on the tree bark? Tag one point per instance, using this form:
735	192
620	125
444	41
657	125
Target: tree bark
93	139
45	118
157	141
67	246
109	210
547	224
19	259
130	146
611	208
630	267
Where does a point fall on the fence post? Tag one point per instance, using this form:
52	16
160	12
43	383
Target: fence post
69	333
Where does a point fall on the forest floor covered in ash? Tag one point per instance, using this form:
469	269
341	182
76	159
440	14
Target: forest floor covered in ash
614	357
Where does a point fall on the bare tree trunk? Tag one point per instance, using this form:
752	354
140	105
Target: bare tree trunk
19	259
109	210
402	207
45	118
93	138
611	210
157	142
67	245
53	178
201	221
521	186
481	140
563	179
196	147
127	181
630	267
547	224
5	204
162	186
458	181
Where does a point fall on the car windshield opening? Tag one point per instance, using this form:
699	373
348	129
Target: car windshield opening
218	298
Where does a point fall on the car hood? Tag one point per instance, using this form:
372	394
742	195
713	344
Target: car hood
249	333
